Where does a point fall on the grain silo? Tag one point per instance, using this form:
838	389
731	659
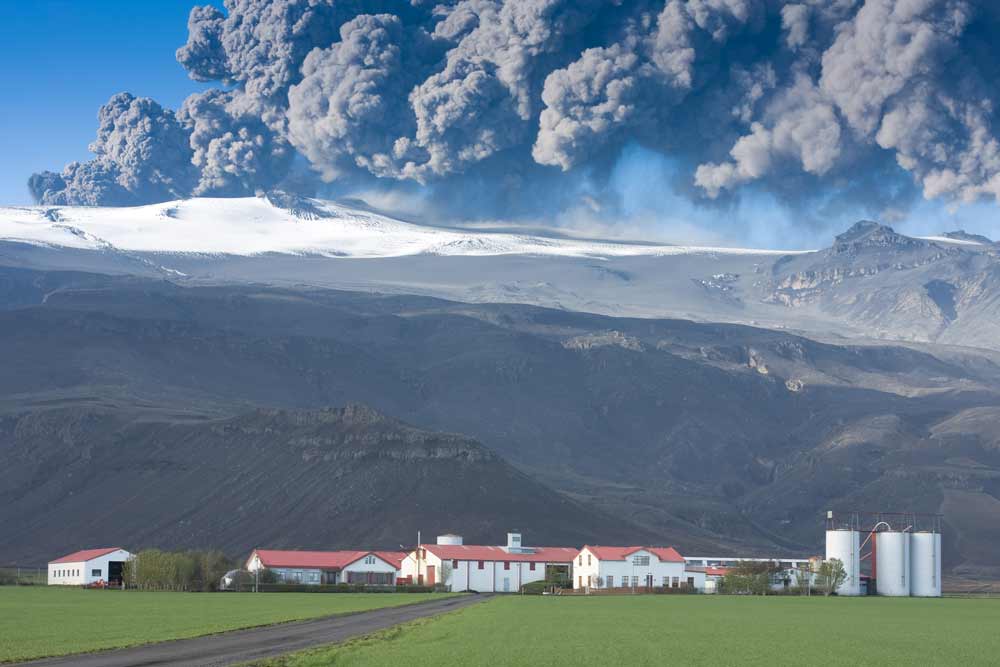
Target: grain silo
892	563
925	564
844	544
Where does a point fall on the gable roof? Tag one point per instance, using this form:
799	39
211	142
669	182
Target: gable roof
500	554
665	554
84	555
321	560
395	558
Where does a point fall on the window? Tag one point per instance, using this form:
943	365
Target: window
95	573
506	565
369	560
581	559
677	582
611	581
531	566
588	559
666	582
454	564
690	582
640	560
482	565
588	580
635	580
579	581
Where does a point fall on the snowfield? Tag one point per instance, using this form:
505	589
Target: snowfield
254	226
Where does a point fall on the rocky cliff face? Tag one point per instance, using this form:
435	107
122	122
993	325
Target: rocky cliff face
331	478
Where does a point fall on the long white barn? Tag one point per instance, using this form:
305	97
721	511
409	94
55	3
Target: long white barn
89	567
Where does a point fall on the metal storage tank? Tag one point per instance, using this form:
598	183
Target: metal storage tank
845	545
893	563
925	564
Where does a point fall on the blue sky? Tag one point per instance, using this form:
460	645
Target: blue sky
65	58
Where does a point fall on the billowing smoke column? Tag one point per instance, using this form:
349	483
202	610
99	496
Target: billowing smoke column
794	98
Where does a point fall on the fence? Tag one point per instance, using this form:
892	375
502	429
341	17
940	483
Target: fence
23	575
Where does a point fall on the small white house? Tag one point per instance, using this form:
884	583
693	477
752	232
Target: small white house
632	568
374	568
485	569
88	567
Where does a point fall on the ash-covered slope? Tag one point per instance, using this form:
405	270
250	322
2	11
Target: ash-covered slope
871	283
896	286
704	435
322	479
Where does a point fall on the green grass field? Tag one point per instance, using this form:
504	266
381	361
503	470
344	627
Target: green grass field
40	621
684	630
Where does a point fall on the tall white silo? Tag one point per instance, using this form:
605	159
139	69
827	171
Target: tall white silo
925	564
893	563
845	545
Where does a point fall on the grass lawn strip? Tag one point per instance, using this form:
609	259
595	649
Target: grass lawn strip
683	630
37	622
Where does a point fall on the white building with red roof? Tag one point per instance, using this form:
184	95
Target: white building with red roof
633	568
374	568
485	569
88	567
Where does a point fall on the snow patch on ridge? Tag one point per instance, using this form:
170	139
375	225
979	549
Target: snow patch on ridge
253	226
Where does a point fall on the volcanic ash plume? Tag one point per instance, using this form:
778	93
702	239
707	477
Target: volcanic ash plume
792	98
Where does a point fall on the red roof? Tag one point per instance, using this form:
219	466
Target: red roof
85	555
709	570
500	554
665	554
322	560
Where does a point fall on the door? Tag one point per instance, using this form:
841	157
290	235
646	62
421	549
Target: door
115	568
506	584
430	575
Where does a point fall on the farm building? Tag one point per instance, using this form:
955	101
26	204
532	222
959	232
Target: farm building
632	567
375	568
89	567
485	569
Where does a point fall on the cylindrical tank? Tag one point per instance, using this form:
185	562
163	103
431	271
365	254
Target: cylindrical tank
925	564
893	563
449	539
845	546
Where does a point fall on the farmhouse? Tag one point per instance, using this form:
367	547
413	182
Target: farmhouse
89	567
486	569
376	568
632	567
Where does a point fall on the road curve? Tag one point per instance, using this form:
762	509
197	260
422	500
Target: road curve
258	643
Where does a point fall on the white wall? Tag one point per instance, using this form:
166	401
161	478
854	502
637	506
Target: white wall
361	566
467	575
84	573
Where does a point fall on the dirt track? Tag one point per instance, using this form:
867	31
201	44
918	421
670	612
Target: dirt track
258	643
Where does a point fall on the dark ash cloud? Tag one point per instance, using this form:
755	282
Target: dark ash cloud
797	99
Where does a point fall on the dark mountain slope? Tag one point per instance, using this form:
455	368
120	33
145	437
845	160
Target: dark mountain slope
699	433
331	478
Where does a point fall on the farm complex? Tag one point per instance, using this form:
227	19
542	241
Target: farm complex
903	558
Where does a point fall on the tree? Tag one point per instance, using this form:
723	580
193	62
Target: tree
831	576
750	577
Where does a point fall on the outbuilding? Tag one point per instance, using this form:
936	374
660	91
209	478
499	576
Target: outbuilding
486	569
632	568
89	567
371	568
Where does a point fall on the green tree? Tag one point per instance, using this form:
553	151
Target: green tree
831	576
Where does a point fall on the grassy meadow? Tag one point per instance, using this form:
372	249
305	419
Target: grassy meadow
38	621
684	630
